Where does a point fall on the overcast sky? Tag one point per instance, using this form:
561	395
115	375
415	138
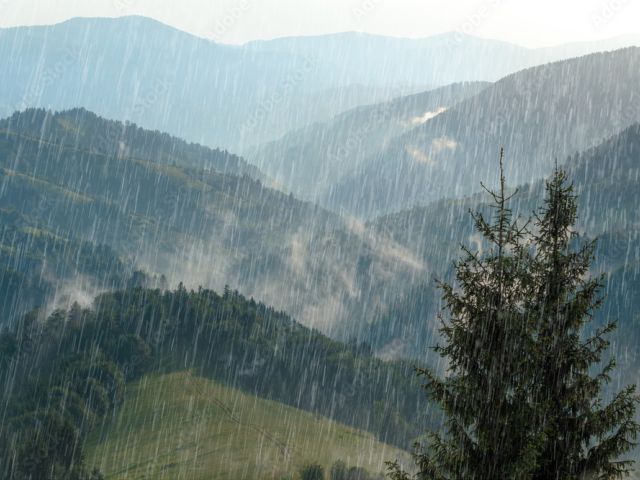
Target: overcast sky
530	23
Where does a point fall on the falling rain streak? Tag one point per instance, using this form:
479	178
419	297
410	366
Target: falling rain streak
231	261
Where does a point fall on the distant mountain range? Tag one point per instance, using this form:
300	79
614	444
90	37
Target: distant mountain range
136	69
310	160
437	60
539	115
372	281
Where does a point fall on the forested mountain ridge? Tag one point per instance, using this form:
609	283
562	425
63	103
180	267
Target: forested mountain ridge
310	160
201	226
527	112
137	69
229	338
42	269
606	182
84	130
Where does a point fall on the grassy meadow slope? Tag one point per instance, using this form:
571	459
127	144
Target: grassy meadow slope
179	425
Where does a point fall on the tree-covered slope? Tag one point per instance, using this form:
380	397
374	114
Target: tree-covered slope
309	160
196	225
84	130
539	114
41	268
73	367
608	188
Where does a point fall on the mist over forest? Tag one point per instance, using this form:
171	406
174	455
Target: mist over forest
346	256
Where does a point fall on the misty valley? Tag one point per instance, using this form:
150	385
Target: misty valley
336	257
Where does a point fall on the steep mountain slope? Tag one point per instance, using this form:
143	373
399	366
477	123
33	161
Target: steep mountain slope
309	160
607	182
539	114
212	428
199	226
137	69
81	129
39	268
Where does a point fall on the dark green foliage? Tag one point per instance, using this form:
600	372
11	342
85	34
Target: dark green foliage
339	471
243	343
8	348
81	128
72	368
522	397
483	397
584	435
312	472
35	262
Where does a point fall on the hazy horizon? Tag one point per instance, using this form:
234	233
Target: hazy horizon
236	22
634	36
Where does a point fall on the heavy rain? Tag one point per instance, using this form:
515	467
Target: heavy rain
319	240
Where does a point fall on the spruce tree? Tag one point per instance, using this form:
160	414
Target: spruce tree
520	398
483	395
584	437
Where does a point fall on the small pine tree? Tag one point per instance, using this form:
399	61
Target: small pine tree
312	471
339	471
519	397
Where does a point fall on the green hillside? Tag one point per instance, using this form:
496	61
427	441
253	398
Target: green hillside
171	209
85	373
183	426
